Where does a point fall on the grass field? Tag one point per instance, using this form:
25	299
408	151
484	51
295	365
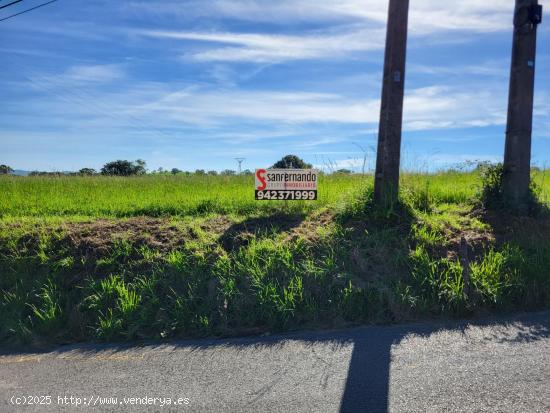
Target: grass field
165	195
146	195
104	258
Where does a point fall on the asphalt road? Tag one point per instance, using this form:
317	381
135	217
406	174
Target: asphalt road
493	366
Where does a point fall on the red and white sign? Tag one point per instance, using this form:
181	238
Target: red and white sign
286	184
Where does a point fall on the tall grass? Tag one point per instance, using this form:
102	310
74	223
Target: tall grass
161	195
147	195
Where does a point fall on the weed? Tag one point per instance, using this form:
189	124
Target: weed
494	198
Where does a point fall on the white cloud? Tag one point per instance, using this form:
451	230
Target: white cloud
439	107
426	16
94	73
204	106
429	108
351	26
144	104
489	68
265	48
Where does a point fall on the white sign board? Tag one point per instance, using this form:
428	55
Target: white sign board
286	184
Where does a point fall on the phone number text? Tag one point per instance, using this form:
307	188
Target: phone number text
285	195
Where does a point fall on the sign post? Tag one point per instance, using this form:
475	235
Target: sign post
286	184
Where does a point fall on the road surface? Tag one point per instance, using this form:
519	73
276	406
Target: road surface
487	366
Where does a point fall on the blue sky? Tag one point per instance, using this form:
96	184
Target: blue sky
195	83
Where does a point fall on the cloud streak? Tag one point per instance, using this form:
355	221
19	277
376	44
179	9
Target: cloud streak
265	48
426	16
94	73
351	26
143	104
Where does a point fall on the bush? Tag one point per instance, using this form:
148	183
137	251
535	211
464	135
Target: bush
5	170
492	193
292	162
491	179
87	171
124	168
344	172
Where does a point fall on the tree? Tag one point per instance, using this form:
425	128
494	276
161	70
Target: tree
124	168
200	172
213	173
292	162
87	171
344	172
228	172
176	171
141	166
247	172
5	170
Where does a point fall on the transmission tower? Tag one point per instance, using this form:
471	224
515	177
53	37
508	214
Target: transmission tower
240	162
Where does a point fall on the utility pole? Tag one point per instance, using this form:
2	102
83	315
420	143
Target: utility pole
517	155
240	162
386	181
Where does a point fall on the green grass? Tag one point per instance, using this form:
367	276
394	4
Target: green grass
542	180
217	263
159	195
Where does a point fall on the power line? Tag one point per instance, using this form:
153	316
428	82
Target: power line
9	4
28	10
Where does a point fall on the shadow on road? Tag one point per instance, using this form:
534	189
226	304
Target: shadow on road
367	386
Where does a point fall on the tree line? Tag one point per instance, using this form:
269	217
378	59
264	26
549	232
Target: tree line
139	167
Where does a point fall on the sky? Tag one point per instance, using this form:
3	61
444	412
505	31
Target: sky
193	84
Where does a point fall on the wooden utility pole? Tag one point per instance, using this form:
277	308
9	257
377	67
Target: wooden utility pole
386	182
517	155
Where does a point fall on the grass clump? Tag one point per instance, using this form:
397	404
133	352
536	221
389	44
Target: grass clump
493	196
